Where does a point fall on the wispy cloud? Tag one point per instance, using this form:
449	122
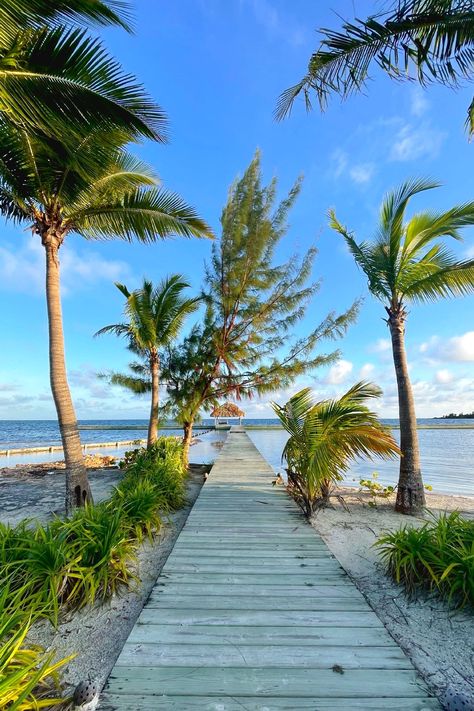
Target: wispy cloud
362	173
339	372
458	349
341	165
23	269
276	24
419	103
413	142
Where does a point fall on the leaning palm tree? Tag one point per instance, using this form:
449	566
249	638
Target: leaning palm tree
406	262
325	436
428	40
155	316
58	80
96	193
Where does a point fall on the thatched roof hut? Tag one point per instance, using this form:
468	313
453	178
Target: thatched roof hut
227	411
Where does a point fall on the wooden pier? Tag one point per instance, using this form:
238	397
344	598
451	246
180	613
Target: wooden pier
253	612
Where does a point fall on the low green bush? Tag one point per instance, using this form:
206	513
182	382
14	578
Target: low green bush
28	676
437	557
77	560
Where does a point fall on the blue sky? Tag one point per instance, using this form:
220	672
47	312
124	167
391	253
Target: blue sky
217	68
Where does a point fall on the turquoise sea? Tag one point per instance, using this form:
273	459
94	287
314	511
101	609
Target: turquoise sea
447	452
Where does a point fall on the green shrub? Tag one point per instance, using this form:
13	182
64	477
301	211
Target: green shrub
438	557
140	503
28	677
75	561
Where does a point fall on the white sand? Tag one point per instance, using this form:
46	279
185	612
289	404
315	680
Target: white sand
440	642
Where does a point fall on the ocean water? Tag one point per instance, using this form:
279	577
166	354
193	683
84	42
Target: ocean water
446	459
446	454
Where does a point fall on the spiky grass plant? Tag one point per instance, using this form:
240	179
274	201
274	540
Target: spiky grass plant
438	557
29	677
140	503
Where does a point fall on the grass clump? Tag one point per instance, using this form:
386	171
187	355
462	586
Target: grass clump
73	562
29	677
437	557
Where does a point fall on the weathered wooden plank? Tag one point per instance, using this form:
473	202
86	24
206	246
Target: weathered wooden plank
253	611
272	618
289	592
175	600
271	636
258	655
300	577
237	681
113	702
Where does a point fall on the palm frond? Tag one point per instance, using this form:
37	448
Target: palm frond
428	40
145	214
65	83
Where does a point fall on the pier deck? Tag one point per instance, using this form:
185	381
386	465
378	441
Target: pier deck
252	611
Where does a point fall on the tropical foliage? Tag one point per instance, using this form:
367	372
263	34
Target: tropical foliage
155	317
438	557
88	556
58	81
245	343
431	41
405	262
325	437
98	193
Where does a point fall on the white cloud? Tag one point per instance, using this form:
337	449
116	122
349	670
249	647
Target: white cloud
339	162
455	349
366	371
443	377
23	269
382	345
362	173
412	143
419	102
339	372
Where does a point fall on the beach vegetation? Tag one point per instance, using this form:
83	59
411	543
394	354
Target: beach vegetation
428	41
29	677
155	316
407	262
325	437
245	345
437	557
97	193
89	556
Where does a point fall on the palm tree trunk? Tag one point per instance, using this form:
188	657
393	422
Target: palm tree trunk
187	437
155	395
77	485
410	491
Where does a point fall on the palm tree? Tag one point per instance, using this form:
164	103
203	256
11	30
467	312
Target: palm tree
59	81
98	194
406	263
325	436
155	317
430	40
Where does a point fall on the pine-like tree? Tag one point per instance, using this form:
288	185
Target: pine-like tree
246	343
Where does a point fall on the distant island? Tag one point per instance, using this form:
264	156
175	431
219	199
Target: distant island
453	416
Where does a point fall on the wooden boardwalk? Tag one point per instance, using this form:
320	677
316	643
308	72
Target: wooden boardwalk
253	612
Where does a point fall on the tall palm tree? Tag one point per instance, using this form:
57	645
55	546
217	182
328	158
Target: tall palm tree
155	317
59	81
406	262
429	40
98	194
325	436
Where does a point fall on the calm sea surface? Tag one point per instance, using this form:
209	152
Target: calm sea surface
447	454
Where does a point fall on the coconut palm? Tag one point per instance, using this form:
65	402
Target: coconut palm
155	317
59	81
406	262
325	436
98	194
429	40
